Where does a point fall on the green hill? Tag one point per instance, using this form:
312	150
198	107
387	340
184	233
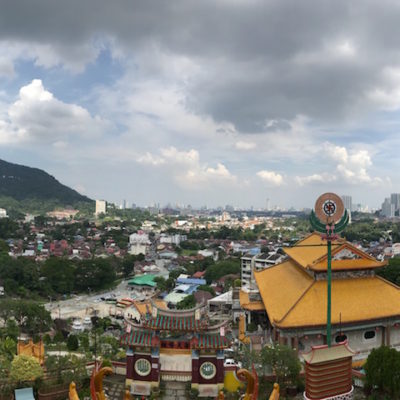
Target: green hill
33	190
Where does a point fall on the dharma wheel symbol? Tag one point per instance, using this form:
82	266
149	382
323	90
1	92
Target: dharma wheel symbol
329	208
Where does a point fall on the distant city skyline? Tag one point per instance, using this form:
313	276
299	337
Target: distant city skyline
227	102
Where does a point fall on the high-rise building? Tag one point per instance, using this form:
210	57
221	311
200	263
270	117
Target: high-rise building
101	207
387	208
347	202
395	200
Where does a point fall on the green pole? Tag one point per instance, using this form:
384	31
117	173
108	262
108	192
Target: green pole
328	319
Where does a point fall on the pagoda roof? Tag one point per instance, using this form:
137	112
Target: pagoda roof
247	304
293	299
136	338
146	306
212	342
281	286
322	354
311	253
175	323
189	320
203	341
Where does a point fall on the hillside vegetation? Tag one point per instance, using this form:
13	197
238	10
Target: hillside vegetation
33	190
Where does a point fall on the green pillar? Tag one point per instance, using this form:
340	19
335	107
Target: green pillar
329	281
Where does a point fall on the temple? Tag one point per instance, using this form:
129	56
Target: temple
365	307
175	345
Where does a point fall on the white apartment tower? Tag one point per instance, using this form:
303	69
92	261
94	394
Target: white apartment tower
101	207
347	202
395	200
388	208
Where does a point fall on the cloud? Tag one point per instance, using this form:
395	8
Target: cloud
315	179
241	145
350	166
271	177
186	168
334	62
38	116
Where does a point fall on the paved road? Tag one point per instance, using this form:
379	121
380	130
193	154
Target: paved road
84	305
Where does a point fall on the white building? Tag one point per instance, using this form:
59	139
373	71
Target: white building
3	213
388	208
395	200
101	207
139	243
347	202
175	239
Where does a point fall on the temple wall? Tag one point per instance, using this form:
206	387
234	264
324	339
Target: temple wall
359	343
395	336
307	341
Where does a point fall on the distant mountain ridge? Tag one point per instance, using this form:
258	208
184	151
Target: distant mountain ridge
25	183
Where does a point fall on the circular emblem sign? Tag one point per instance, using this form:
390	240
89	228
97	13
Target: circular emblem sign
142	367
208	370
329	208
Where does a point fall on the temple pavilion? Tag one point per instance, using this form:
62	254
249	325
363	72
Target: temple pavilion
175	345
365	307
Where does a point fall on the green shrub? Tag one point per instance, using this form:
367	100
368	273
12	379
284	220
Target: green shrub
72	343
383	371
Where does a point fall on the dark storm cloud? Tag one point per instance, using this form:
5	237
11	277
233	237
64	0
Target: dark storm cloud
259	61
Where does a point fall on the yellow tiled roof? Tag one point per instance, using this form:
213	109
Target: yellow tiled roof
141	306
353	300
246	304
314	248
342	265
281	286
292	298
314	255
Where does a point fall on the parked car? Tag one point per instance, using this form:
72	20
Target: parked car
230	362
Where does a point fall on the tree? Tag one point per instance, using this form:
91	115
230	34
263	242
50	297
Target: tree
283	362
383	371
161	283
72	343
59	273
8	348
207	288
187	302
392	271
25	368
222	268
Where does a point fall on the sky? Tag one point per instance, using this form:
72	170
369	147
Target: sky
209	102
